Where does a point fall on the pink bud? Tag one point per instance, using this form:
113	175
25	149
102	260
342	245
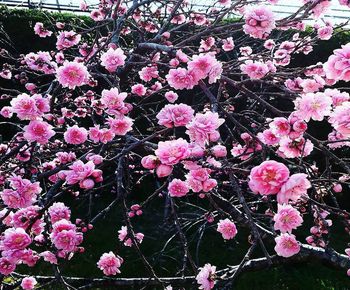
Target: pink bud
149	162
164	170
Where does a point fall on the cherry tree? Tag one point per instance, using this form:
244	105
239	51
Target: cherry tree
210	110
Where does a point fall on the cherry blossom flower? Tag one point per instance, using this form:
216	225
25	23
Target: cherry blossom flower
67	39
268	177
112	59
75	135
109	263
72	74
313	106
178	188
254	69
28	283
259	21
286	245
287	218
123	237
175	115
206	277
227	228
295	187
172	152
38	131
41	31
338	65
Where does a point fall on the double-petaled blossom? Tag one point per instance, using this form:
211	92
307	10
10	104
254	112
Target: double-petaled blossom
38	131
173	151
23	193
75	135
178	188
120	125
72	74
293	148
30	107
83	173
340	119
65	236
204	127
40	61
268	177
259	22
109	263
67	39
227	228
28	283
28	217
338	65
40	30
175	115
58	211
286	245
254	69
199	180
181	78
112	59
148	73
206	277
295	187
113	100
313	106
15	239
287	218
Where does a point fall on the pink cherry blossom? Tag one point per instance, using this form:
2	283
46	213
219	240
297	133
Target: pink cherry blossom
123	237
67	39
199	180
254	69
148	73
228	44
175	115
293	148
38	131
6	266
15	239
72	74
75	135
178	188
338	65
163	170
295	187
58	211
287	218
182	78
313	106
139	90
206	277
120	125
28	283
203	127
114	101
171	96
268	177
109	263
30	107
227	228
112	59
65	236
40	30
340	119
259	21
173	151
286	245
